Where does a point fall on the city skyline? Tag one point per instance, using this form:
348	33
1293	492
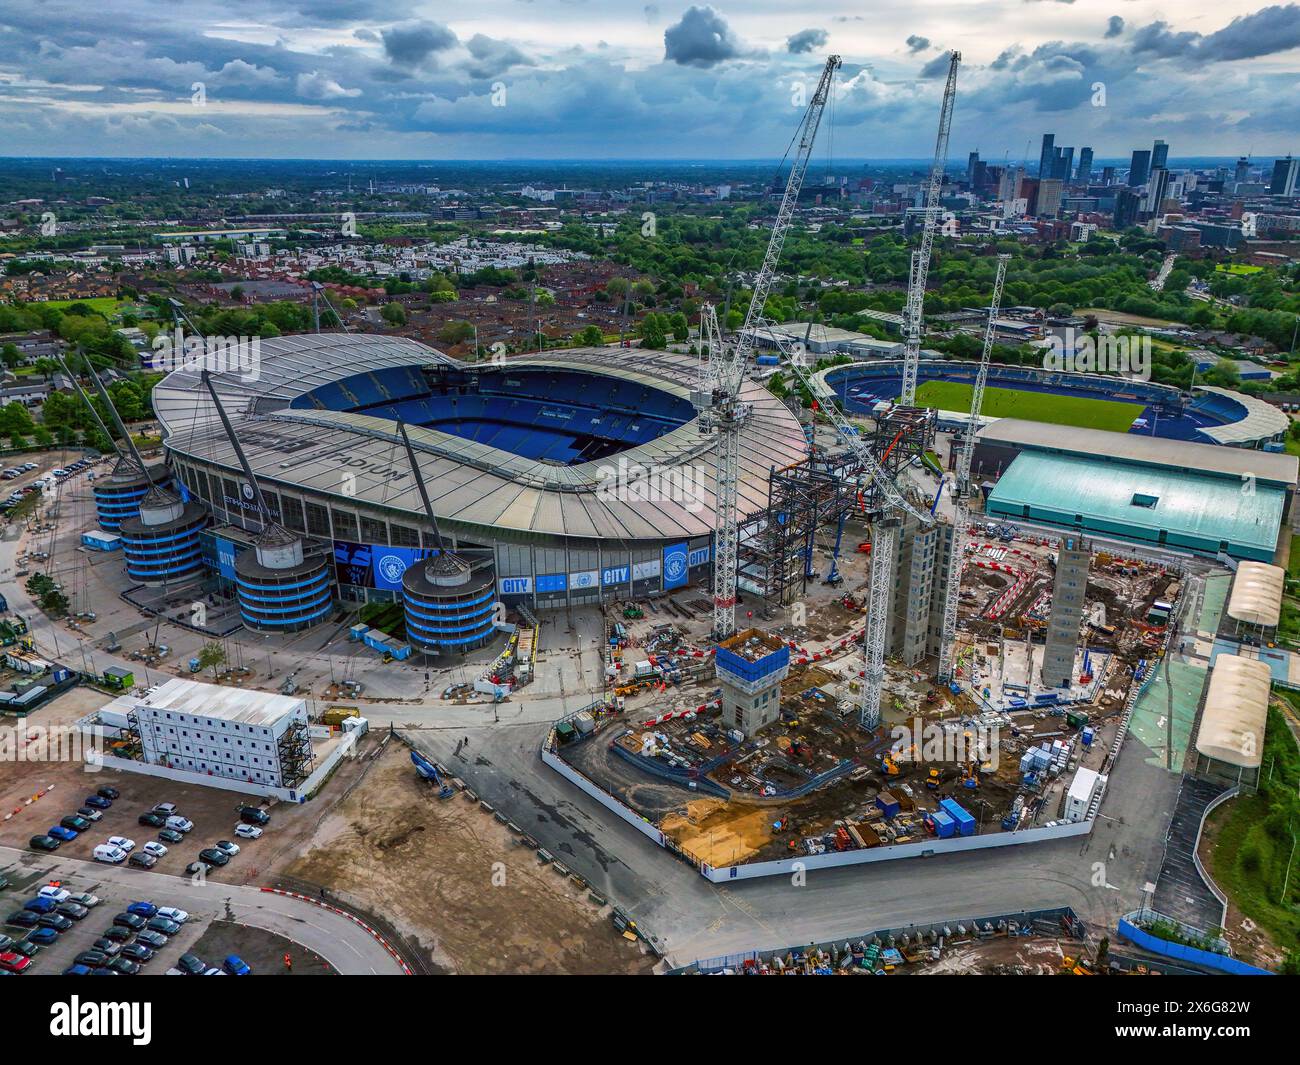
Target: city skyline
550	80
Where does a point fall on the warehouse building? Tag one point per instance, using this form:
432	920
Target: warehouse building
1199	498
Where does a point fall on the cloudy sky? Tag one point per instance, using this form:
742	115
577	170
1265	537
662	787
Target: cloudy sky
487	79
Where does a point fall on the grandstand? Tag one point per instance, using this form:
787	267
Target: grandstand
523	462
1211	416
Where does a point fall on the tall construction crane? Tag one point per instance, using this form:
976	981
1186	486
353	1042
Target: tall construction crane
913	316
884	529
718	399
961	515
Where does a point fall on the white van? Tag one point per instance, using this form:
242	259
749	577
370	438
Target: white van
106	852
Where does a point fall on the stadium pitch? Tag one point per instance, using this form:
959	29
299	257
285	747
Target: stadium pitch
1114	415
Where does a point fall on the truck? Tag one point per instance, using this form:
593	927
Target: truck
429	772
336	715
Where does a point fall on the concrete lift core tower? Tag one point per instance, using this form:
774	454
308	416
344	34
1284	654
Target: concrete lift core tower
1067	612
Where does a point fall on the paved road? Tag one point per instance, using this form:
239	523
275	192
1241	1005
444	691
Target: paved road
345	945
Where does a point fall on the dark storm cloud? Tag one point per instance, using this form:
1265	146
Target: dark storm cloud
917	44
936	67
701	38
1114	26
1266	32
411	43
805	41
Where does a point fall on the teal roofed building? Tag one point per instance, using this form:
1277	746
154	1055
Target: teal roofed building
1187	497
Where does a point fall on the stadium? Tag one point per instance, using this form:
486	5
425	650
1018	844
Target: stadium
565	477
1211	416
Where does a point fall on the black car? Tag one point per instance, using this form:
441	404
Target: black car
253	815
110	947
108	792
150	938
119	933
142	861
191	965
132	921
23	919
92	958
170	835
164	925
74	822
43	843
125	966
89	813
198	869
213	856
137	952
98	802
73	909
152	819
56	921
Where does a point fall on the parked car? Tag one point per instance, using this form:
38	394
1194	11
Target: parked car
132	921
227	848
157	850
244	831
213	856
118	933
127	845
170	835
75	822
28	947
167	809
137	952
98	802
106	853
85	898
142	861
254	815
123	965
198	869
54	920
144	909
42	937
23	919
173	914
77	970
89	813
179	823
191	965
163	925
40	904
74	910
152	820
65	834
14	963
110	945
44	843
152	939
108	792
54	892
236	966
92	959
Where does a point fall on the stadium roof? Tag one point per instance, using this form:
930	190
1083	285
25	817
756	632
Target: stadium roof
1120	497
1261	422
1237	463
1257	594
471	484
1236	712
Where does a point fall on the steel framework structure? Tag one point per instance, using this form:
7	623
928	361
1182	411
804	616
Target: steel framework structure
961	513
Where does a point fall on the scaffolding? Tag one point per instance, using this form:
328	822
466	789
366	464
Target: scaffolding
295	752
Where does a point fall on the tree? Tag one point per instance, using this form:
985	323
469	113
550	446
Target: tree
455	332
211	655
590	336
394	314
11	355
54	602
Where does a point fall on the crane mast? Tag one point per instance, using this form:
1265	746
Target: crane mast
913	317
961	515
884	537
718	399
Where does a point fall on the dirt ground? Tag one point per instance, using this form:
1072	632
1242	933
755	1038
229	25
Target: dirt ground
448	873
263	951
999	956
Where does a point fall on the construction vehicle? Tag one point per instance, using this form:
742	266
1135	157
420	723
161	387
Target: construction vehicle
429	772
932	780
633	613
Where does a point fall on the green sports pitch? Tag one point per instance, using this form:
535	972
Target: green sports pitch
1114	415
